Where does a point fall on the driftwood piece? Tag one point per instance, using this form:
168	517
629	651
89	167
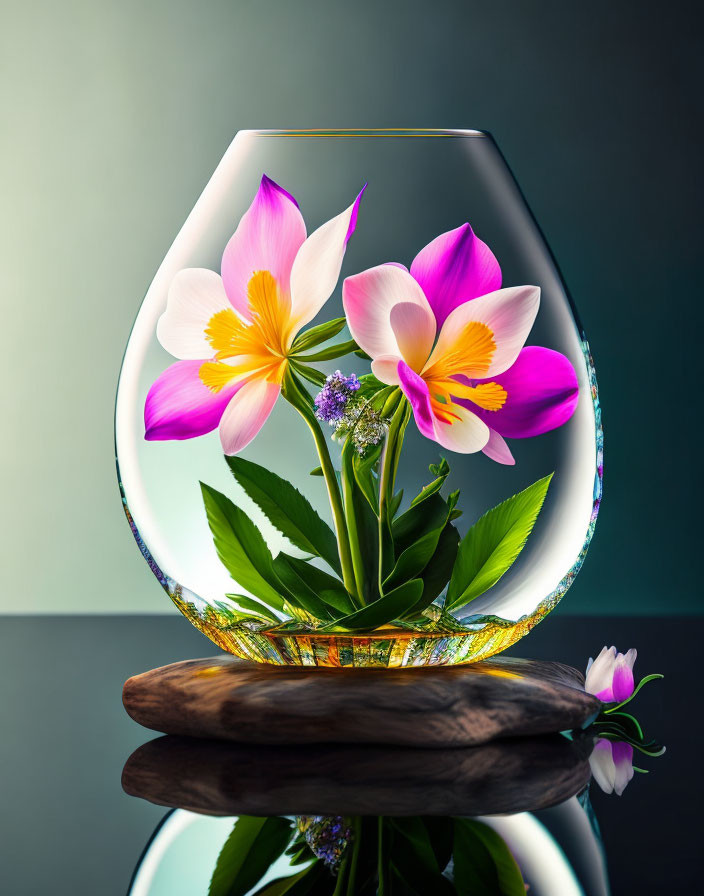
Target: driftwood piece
441	707
219	778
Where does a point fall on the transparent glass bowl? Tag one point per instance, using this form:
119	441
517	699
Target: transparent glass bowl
420	183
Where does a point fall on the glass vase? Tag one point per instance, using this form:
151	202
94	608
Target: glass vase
428	192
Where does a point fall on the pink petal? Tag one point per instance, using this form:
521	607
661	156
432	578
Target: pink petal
508	313
623	683
317	264
416	391
465	436
497	449
247	413
368	299
454	268
195	295
542	394
385	368
414	329
179	406
267	238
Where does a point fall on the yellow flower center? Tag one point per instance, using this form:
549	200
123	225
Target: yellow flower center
471	351
258	346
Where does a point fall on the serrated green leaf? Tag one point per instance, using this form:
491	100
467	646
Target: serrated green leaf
249	605
286	509
383	610
315	335
241	548
491	546
483	863
249	851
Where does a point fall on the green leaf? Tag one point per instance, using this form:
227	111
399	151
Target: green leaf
362	526
439	569
286	509
416	521
332	351
249	605
249	851
364	355
415	860
483	862
383	610
364	470
305	598
317	377
414	559
395	503
327	587
315	335
640	684
241	548
318	471
311	881
491	546
441	471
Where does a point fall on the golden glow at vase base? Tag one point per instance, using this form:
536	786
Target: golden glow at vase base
387	647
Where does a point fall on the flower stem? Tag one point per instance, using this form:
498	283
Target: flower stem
296	395
389	465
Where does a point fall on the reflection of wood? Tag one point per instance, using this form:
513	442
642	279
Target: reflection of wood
219	778
225	697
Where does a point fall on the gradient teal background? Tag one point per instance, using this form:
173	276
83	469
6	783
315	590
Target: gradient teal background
113	116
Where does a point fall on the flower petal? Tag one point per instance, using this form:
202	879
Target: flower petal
466	435
601	672
542	394
602	766
414	329
195	295
385	368
368	299
416	391
622	754
497	449
454	268
179	406
267	238
509	315
318	262
247	413
623	683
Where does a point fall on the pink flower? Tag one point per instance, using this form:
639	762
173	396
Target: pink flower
453	340
233	334
610	676
611	763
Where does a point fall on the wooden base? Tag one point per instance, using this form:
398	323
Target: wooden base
219	778
225	697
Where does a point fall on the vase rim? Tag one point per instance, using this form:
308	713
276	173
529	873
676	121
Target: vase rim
364	132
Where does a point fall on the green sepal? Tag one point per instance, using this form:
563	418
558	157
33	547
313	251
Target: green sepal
315	335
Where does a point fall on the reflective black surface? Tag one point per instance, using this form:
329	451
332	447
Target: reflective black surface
67	826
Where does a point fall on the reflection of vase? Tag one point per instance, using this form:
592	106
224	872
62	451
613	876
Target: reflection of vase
420	183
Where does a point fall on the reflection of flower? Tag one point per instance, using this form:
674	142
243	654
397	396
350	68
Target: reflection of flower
233	334
327	836
453	341
610	676
612	765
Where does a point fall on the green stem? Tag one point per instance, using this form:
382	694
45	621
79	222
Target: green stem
381	865
348	486
389	465
296	396
356	844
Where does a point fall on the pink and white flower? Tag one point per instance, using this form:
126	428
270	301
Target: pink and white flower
453	340
611	764
233	333
610	676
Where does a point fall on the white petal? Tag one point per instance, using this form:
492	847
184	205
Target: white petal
509	314
246	414
317	265
600	674
368	298
602	766
466	435
385	369
195	295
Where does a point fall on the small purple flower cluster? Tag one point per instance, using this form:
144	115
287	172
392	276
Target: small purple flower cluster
327	836
331	401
